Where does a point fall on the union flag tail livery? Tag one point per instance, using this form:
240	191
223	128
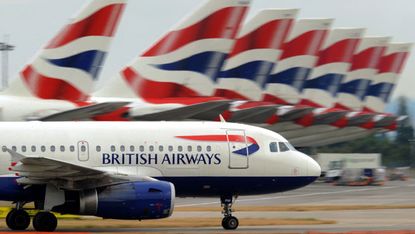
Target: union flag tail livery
389	69
364	66
66	68
254	54
185	61
299	55
333	63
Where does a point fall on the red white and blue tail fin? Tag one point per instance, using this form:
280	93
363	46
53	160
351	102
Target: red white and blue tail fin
68	65
334	61
300	53
389	70
185	61
364	67
256	50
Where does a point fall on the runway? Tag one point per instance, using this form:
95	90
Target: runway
319	194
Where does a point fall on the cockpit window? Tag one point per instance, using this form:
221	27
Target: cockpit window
273	147
283	147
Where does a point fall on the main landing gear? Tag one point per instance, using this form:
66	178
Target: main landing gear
229	222
18	219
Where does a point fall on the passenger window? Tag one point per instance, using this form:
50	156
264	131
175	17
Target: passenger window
3	148
180	148
14	148
141	148
151	148
122	148
52	148
83	148
43	148
98	148
208	148
189	148
23	148
199	148
33	148
283	147
160	148
62	148
112	148
72	148
170	148
132	148
273	147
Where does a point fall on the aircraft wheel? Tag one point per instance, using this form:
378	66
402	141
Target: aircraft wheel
230	223
45	222
18	220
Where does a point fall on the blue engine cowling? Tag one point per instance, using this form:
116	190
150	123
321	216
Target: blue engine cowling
131	200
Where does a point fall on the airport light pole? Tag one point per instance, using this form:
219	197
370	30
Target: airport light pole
412	152
5	48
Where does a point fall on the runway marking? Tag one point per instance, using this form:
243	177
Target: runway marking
294	196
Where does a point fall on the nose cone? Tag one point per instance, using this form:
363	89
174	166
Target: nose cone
314	170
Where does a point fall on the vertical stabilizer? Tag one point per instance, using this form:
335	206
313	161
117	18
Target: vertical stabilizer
389	68
299	55
185	61
364	67
68	65
256	50
332	65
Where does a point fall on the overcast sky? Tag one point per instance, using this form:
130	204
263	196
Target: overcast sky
31	23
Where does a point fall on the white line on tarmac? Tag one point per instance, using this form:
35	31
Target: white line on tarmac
299	195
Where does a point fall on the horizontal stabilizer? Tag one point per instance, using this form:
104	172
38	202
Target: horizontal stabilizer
186	112
328	117
259	114
290	113
84	112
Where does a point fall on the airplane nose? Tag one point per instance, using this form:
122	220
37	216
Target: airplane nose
313	168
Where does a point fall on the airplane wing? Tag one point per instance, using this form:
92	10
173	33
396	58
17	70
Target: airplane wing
258	114
84	112
185	112
64	175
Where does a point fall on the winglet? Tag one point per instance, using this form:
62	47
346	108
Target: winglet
222	119
15	157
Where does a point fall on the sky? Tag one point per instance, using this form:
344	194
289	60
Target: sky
29	24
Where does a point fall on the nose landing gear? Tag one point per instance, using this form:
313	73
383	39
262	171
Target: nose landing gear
229	222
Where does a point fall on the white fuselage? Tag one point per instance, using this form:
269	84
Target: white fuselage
168	150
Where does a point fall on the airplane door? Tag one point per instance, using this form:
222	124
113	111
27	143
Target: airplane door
83	150
238	149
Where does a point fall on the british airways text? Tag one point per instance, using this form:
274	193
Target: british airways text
154	159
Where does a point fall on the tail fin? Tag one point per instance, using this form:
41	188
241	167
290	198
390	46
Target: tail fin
185	61
299	55
334	61
255	52
68	65
364	66
389	69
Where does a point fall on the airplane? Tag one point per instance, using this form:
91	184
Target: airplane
57	83
113	170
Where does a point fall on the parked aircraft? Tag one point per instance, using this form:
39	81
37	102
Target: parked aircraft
57	83
113	170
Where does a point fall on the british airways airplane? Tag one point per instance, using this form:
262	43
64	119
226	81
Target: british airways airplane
134	170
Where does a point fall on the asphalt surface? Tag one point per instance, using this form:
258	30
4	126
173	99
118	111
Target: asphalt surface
392	193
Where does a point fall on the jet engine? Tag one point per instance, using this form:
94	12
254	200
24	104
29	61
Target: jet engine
131	200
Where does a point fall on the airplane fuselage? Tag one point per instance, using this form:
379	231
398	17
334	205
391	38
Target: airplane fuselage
199	158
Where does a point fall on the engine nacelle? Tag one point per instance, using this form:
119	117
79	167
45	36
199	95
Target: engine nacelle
131	200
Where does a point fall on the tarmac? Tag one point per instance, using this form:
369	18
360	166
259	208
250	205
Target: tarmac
317	194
